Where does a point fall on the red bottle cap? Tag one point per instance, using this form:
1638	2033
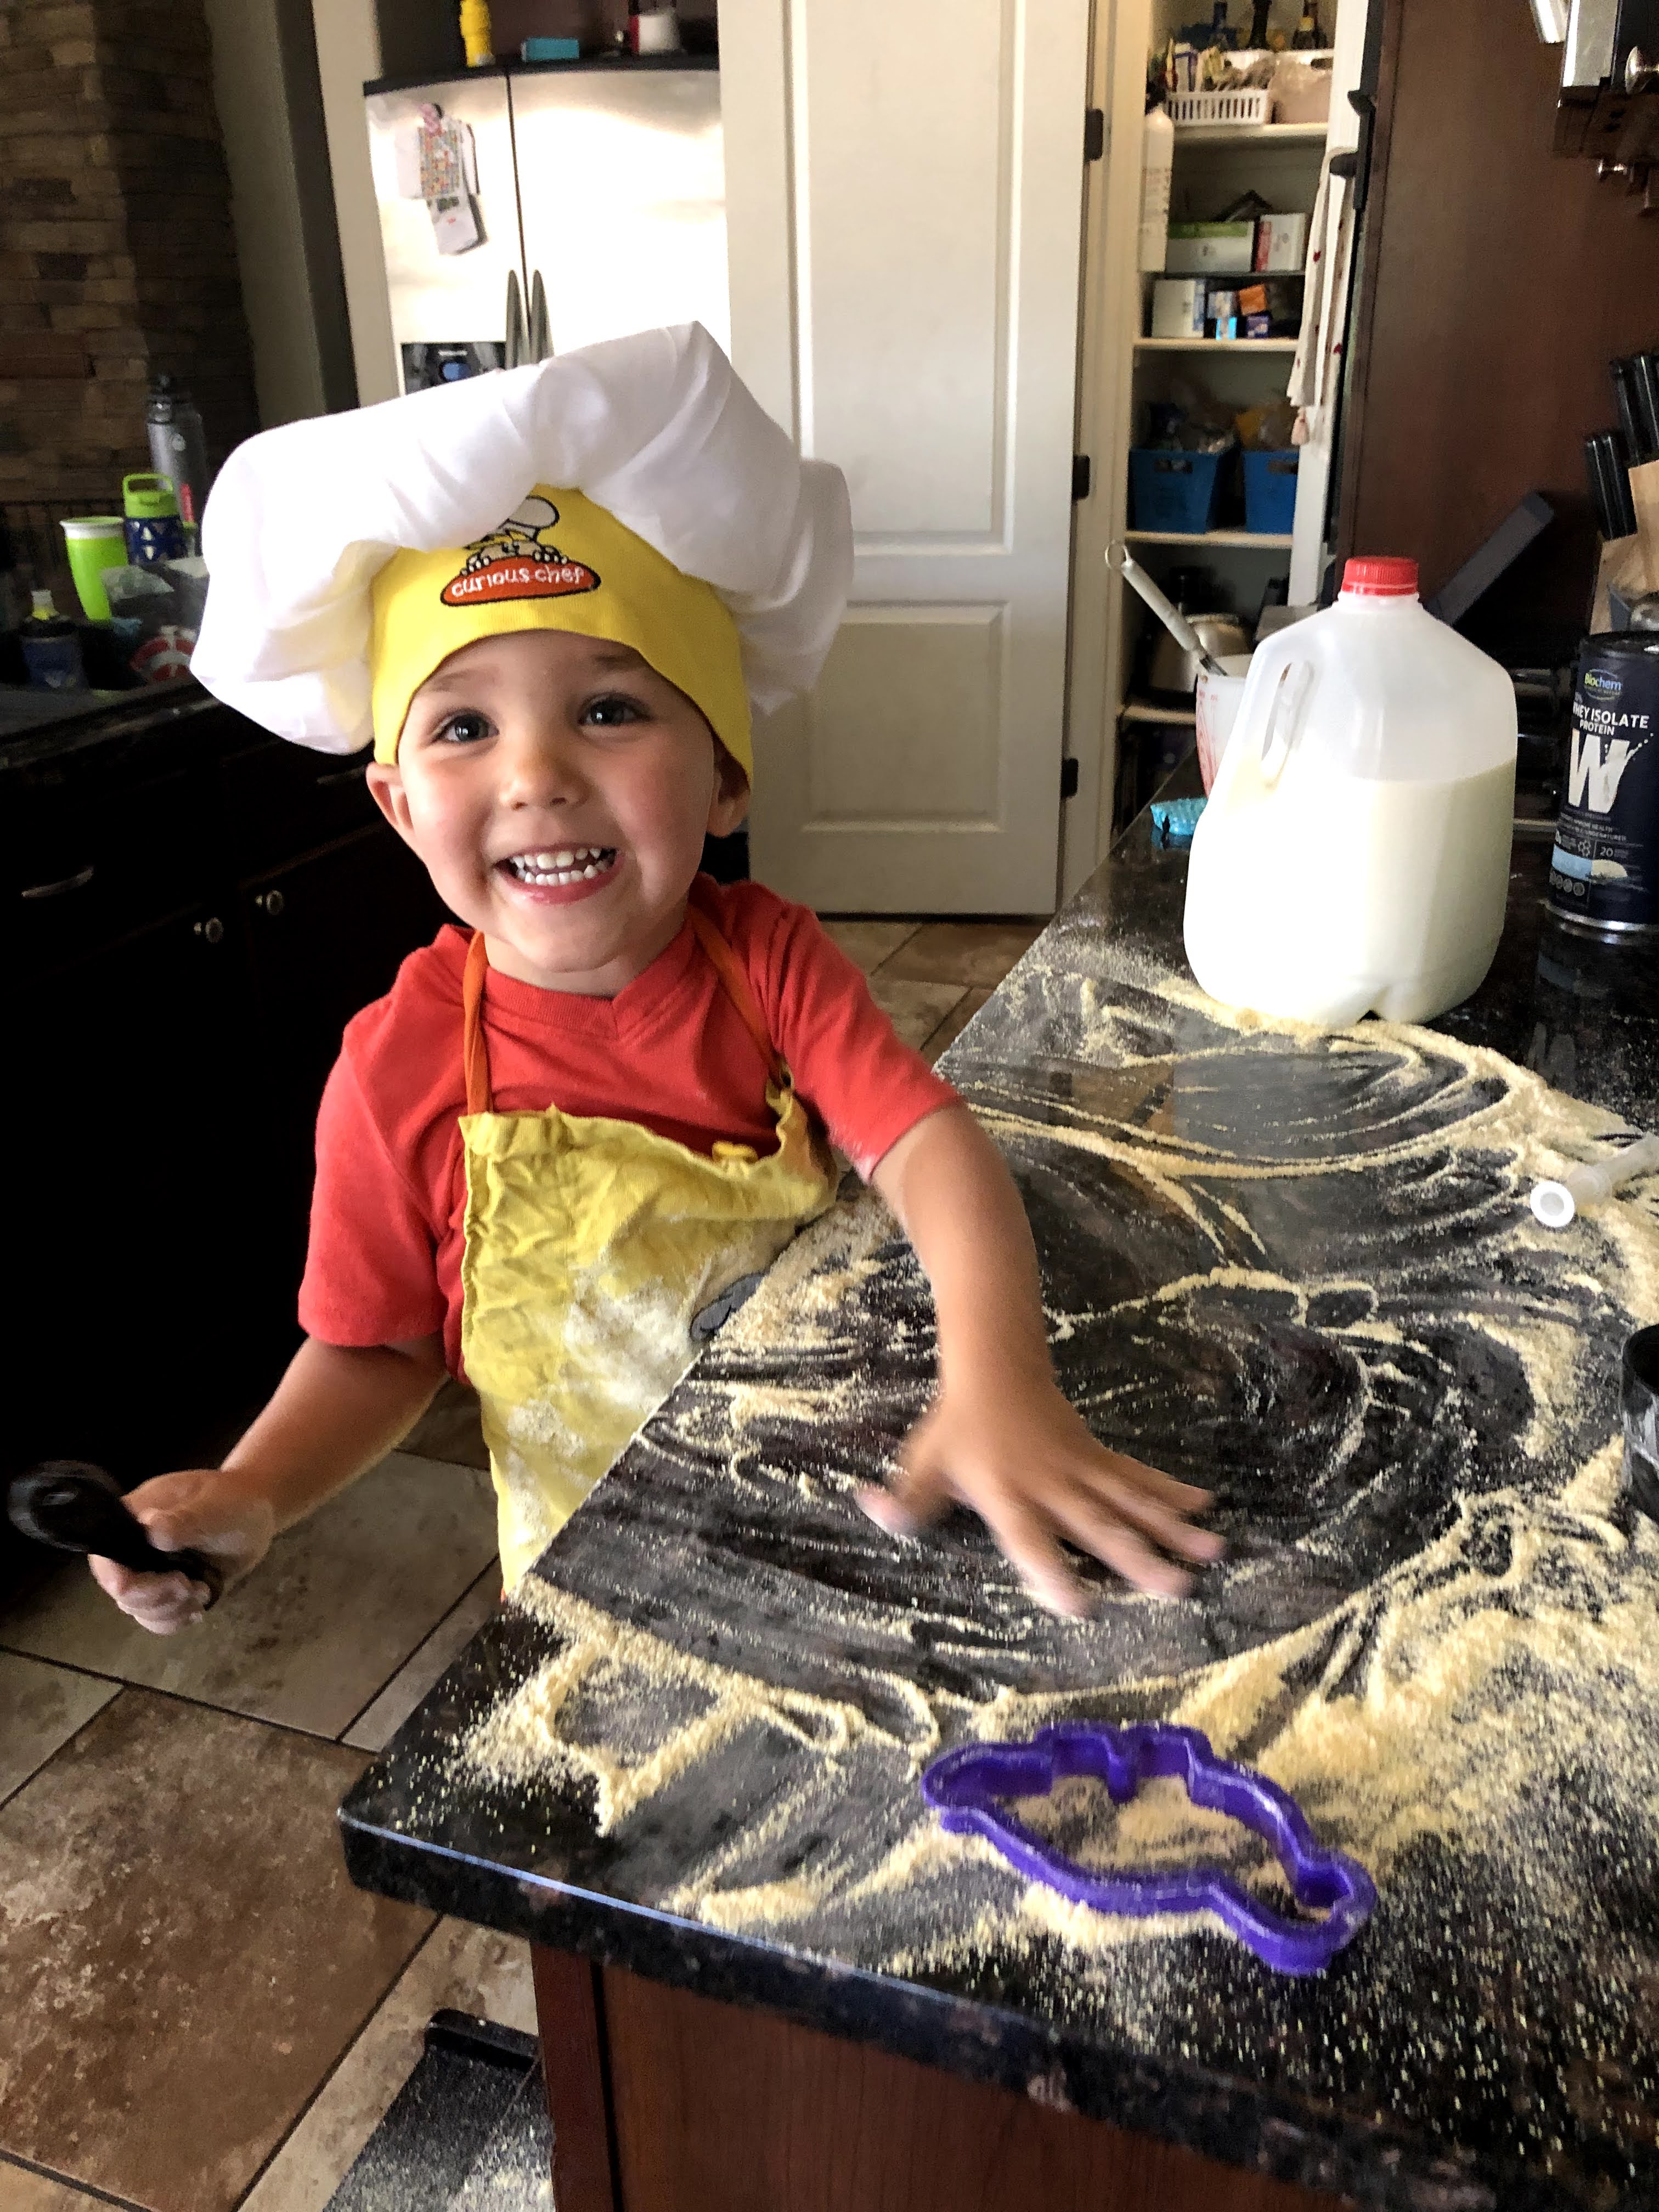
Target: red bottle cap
1380	576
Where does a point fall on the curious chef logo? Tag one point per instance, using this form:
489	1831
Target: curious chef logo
519	561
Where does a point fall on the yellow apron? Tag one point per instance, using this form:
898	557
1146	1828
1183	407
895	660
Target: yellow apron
591	1247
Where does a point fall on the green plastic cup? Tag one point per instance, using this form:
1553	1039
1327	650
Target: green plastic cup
96	542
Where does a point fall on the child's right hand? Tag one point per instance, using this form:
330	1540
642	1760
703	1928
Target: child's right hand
201	1510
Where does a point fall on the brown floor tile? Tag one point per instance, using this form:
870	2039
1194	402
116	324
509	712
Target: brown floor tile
980	952
916	1010
43	1707
183	1957
869	943
451	1429
373	1730
23	2191
473	1969
953	1025
321	1626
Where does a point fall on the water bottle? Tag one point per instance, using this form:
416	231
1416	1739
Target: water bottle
179	452
155	528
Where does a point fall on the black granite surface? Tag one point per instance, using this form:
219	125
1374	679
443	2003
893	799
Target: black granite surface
41	726
1300	1269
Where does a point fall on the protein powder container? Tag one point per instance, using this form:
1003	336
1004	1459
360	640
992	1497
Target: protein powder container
1604	872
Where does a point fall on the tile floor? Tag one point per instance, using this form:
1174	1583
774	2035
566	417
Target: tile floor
200	2012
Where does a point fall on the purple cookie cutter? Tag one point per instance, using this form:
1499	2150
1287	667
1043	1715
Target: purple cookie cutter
968	1788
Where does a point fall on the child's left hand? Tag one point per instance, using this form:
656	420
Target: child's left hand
1012	1449
999	1437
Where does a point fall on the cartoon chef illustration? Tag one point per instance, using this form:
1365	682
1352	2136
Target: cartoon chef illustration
519	559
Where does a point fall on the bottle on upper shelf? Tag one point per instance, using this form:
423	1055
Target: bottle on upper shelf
1307	37
1156	168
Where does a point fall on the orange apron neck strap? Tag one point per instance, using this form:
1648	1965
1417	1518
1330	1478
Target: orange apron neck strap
729	968
474	1053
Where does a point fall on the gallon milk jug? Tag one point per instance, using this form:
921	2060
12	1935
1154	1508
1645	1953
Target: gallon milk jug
1354	855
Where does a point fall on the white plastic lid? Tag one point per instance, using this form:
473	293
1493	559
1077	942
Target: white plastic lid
1553	1203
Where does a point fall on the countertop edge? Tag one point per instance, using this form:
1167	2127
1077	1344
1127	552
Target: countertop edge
1236	2123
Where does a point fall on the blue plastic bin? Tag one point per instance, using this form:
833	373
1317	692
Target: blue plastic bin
1173	491
1270	490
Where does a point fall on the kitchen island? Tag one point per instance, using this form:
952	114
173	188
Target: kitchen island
1298	1269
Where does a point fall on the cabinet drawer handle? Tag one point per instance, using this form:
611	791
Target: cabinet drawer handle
339	775
77	882
271	902
212	931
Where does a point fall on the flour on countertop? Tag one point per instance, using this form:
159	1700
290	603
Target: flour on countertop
1501	1676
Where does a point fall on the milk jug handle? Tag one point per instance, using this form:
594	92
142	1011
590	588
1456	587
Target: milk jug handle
1290	696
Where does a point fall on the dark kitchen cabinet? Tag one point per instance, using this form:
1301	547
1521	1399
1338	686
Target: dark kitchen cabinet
141	1240
325	936
190	914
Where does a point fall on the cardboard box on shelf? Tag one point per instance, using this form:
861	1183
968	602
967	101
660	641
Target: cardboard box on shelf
1281	242
1178	307
1211	249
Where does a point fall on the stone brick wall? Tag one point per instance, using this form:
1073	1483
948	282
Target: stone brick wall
117	258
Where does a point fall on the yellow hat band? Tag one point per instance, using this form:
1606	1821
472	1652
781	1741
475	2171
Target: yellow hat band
557	562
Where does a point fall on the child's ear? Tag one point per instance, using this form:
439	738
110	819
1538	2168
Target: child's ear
386	783
729	808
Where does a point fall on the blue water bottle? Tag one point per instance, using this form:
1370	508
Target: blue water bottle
155	533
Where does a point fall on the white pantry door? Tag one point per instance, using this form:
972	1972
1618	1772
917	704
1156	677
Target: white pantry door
904	192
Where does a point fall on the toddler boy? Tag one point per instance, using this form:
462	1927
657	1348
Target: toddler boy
579	1125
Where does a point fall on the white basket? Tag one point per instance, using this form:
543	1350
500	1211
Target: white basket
1188	109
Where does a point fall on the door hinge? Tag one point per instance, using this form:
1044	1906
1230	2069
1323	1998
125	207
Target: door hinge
1094	133
1068	776
1081	474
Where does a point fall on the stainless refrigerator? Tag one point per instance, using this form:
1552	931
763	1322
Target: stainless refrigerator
606	182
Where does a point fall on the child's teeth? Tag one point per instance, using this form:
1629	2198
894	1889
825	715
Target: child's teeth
569	864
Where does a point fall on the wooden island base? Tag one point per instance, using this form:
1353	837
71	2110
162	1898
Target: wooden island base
665	2101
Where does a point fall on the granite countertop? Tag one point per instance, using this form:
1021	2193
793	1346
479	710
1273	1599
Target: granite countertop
1297	1268
47	729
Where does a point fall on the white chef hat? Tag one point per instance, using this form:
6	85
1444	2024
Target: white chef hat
657	429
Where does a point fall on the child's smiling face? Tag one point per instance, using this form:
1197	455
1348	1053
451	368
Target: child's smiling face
558	790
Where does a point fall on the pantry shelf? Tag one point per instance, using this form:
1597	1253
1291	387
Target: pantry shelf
1265	540
1216	346
1249	134
1144	710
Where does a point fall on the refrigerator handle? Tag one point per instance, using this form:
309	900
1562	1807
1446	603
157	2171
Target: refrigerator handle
541	342
515	355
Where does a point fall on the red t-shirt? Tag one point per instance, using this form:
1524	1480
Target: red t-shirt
669	1051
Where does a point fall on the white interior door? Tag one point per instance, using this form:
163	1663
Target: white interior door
903	204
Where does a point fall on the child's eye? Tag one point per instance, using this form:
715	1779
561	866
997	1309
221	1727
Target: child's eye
613	710
463	729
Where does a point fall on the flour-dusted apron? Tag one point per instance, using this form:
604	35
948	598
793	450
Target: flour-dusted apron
591	1246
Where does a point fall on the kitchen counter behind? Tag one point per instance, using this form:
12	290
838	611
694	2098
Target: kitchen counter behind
1296	1268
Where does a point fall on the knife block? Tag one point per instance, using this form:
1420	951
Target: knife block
1630	566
